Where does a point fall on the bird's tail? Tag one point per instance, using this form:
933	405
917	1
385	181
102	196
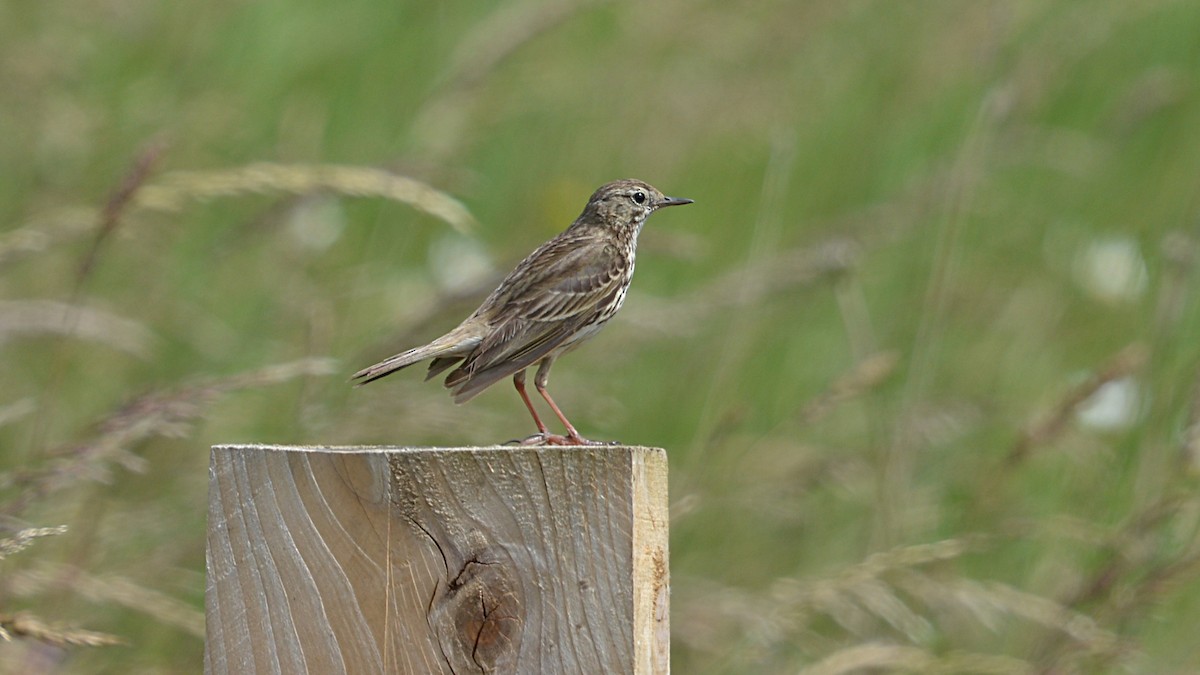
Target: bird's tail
452	345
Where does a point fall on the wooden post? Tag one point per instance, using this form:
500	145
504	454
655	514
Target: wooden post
437	560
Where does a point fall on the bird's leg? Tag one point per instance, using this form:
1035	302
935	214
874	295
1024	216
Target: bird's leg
519	383
543	436
572	438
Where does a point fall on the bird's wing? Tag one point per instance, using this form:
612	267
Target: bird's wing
561	289
565	281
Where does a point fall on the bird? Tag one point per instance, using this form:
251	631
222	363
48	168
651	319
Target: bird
558	296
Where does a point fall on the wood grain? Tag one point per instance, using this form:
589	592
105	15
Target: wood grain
437	560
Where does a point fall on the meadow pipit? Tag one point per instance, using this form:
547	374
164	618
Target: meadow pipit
558	296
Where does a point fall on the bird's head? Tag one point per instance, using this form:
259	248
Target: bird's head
625	204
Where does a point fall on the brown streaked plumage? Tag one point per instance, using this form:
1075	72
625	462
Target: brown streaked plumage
558	296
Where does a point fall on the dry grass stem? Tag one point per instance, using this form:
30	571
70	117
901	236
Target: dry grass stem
176	189
990	604
1040	610
16	410
159	413
30	627
44	232
1142	566
502	33
119	590
24	539
1052	422
871	655
797	268
117	204
440	123
1191	432
863	378
854	596
47	317
898	658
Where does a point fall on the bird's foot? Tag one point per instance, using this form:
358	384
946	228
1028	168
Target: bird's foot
546	438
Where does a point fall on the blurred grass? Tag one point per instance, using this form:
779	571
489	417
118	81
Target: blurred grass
920	229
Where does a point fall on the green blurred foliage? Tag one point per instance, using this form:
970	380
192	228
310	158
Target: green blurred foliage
919	229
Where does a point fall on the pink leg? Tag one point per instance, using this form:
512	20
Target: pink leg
543	436
519	383
540	381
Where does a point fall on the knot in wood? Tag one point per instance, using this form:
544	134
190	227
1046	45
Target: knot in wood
478	616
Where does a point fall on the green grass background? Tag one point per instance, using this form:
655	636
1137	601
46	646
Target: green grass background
888	280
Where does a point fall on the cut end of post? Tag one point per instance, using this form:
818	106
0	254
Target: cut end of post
447	559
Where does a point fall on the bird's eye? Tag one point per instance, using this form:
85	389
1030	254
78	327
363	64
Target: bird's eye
639	197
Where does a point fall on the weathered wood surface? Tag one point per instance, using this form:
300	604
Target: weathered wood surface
440	560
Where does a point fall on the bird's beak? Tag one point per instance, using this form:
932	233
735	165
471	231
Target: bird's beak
674	201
